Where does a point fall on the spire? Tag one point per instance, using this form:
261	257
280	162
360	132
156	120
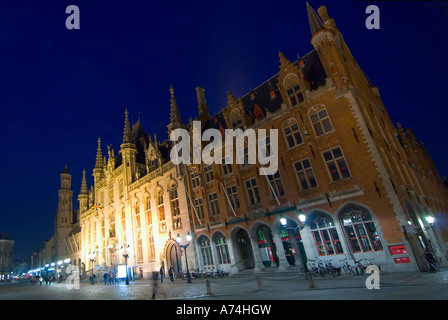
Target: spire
99	156
175	117
66	170
83	183
127	128
315	22
204	114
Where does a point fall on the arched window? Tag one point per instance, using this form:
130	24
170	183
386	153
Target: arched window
206	250
292	133
320	120
360	229
325	235
222	248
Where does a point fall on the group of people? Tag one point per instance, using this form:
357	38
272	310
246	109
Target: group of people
40	279
109	277
171	273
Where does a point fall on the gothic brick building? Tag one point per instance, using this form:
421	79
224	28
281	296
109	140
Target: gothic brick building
364	185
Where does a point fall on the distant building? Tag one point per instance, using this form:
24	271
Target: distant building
6	250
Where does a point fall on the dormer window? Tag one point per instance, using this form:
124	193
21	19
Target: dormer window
235	119
295	95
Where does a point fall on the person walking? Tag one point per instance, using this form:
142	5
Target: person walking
162	274
171	273
40	280
154	285
105	277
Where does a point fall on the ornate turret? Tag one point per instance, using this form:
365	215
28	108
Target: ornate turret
128	152
175	117
83	197
204	113
315	23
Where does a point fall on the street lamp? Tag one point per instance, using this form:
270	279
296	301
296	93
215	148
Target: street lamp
430	220
125	252
185	246
302	219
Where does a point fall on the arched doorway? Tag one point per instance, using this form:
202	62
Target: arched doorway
292	243
174	258
266	245
244	256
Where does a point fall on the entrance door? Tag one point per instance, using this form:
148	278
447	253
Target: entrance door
268	251
174	258
245	250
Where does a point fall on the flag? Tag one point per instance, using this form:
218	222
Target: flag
216	174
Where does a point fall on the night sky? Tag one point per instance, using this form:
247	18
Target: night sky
61	89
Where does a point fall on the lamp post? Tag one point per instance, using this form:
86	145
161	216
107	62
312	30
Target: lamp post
185	246
125	252
91	256
302	219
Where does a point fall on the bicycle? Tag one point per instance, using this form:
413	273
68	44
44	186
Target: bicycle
330	269
360	269
312	267
348	269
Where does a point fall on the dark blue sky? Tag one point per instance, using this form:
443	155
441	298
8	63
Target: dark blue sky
62	89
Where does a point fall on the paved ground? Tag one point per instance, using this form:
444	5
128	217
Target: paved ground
269	286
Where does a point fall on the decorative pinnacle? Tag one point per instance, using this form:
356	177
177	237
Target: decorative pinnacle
99	156
127	128
83	183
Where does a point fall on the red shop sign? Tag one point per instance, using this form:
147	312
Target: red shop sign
402	260
400	249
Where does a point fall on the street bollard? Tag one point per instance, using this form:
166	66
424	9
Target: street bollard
209	288
310	279
259	284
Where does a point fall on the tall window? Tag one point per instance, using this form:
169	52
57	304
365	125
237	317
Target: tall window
161	211
199	207
175	210
148	211
320	120
195	179
360	229
213	203
276	184
292	133
151	247
305	174
232	195
252	191
208	173
325	235
226	165
222	249
337	166
137	215
206	250
123	220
